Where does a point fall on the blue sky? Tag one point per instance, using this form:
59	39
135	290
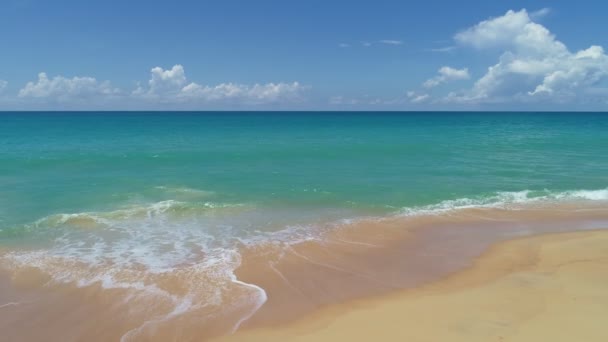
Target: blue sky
336	55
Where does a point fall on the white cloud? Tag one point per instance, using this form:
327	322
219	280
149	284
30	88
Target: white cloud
417	98
391	42
257	93
533	64
581	70
163	80
443	49
364	101
169	88
163	83
514	31
366	44
543	12
67	89
343	45
447	74
420	98
171	85
3	85
341	100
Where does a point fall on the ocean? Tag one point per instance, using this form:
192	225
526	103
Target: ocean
160	211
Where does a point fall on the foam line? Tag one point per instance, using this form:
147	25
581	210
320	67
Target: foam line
357	243
263	298
180	308
505	200
9	304
335	268
280	274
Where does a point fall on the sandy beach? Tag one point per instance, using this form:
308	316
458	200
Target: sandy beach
543	288
471	275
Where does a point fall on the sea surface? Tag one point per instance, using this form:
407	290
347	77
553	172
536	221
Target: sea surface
122	200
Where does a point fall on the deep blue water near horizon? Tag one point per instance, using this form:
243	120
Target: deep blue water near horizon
372	162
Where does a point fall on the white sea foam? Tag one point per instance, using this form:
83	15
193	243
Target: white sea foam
180	308
594	195
198	242
162	236
134	247
507	200
186	190
259	300
6	305
183	193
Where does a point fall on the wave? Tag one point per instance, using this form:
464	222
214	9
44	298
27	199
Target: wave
507	200
185	191
162	235
169	208
137	248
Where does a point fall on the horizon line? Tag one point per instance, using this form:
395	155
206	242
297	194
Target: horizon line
303	111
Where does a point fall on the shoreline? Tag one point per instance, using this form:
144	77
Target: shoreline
365	259
375	258
518	290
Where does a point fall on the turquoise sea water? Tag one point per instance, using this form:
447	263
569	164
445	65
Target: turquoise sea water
74	162
121	186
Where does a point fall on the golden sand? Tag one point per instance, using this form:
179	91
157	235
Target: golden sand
543	288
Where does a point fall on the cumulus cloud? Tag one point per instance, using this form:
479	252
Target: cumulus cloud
66	89
543	12
447	74
533	64
514	31
163	83
163	80
171	85
3	85
257	93
167	87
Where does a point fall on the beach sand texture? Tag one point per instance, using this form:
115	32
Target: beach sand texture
543	288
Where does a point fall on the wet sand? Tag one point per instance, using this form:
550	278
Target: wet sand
277	283
543	288
371	258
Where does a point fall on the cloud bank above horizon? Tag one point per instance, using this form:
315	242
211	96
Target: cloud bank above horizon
166	87
527	66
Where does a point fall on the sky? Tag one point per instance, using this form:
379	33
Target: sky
303	55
